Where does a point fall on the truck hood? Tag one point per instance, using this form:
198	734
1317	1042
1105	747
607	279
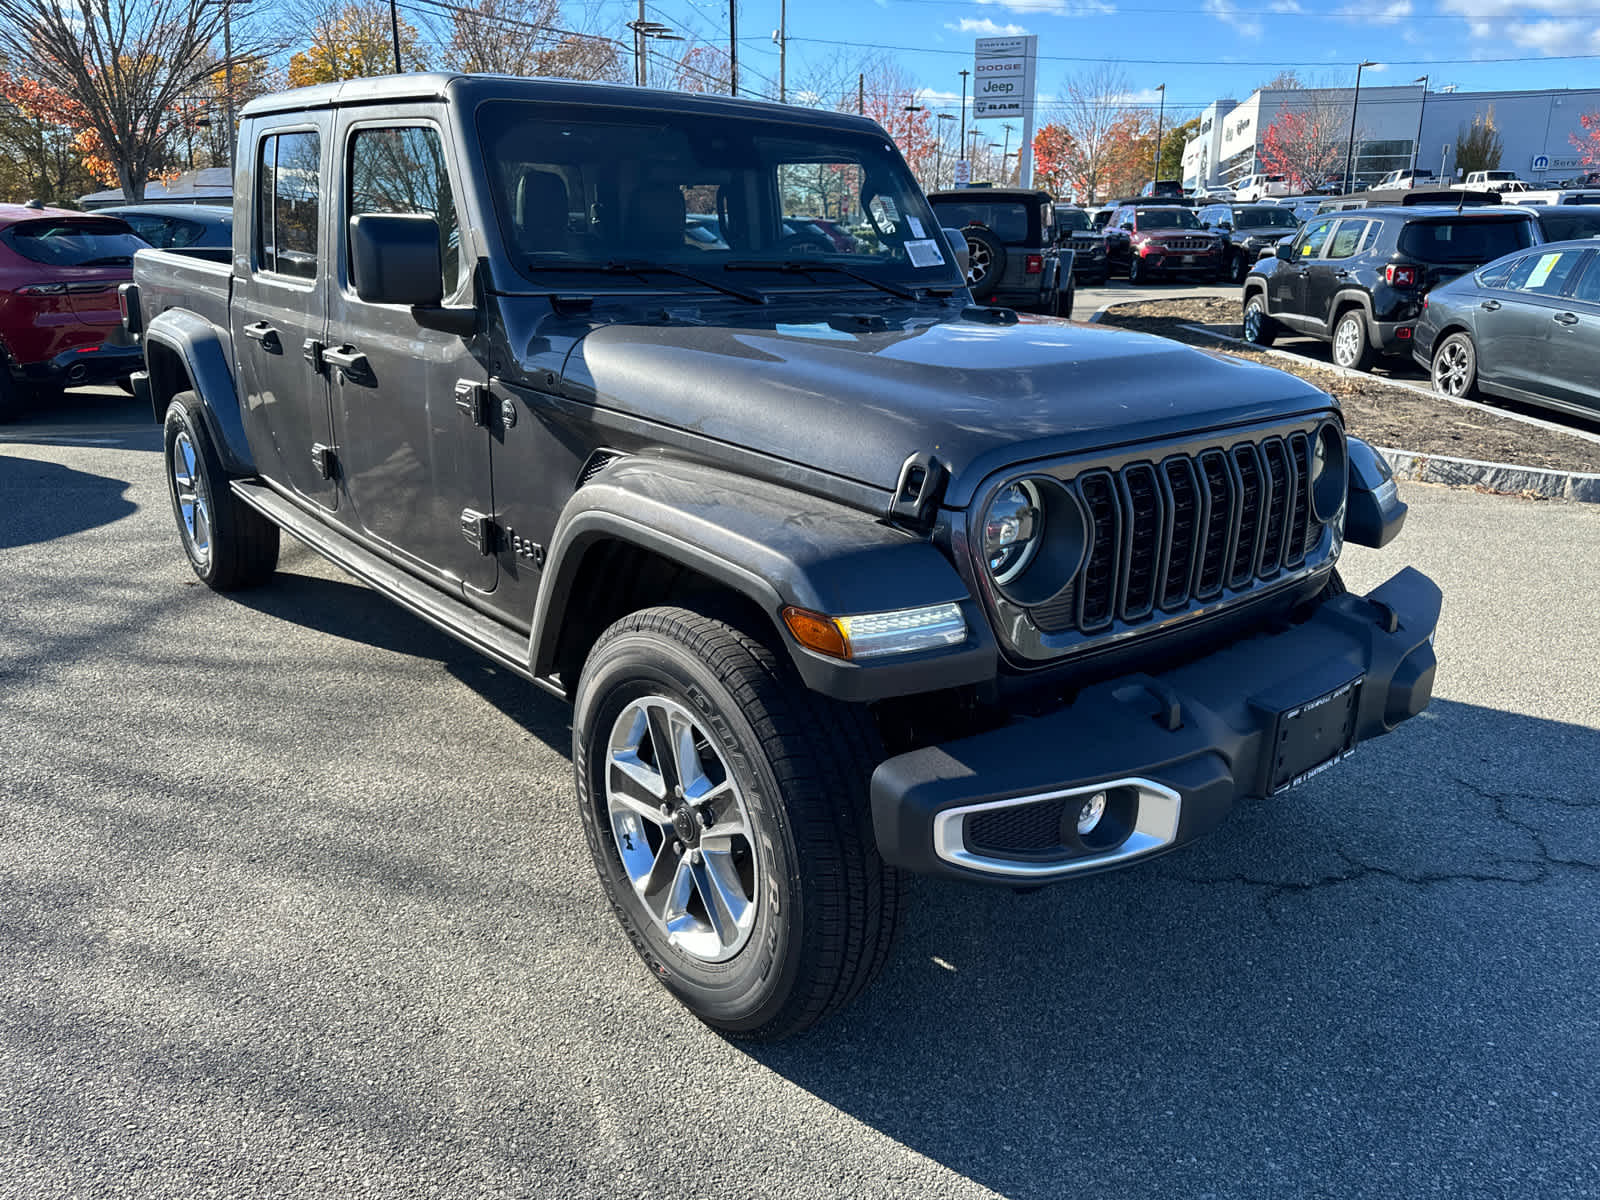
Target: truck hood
856	403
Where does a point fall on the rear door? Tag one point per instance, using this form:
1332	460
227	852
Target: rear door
1573	373
1533	310
410	404
279	309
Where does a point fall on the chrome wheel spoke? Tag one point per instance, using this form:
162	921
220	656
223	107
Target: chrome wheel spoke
716	878
668	876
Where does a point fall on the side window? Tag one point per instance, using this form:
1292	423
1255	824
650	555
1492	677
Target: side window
1544	274
289	182
1588	289
1312	239
1346	238
1497	275
1374	232
403	171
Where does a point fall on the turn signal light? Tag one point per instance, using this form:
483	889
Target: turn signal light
1400	276
870	635
815	632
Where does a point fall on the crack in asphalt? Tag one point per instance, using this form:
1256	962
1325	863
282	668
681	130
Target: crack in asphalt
1537	869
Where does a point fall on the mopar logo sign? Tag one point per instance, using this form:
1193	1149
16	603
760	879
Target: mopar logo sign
1555	162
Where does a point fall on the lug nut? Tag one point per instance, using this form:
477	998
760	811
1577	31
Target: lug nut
677	847
694	858
666	810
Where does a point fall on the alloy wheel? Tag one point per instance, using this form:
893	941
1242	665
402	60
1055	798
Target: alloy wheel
1347	343
681	829
978	262
194	505
1452	368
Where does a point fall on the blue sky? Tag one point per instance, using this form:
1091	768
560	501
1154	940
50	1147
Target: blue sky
1201	50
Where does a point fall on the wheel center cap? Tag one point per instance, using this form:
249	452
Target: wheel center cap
686	825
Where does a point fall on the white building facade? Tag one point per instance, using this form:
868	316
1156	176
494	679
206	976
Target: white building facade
1536	129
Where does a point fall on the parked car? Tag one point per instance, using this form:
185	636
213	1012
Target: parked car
1247	230
704	230
1148	241
1100	216
1076	232
1011	246
1556	196
1494	181
1163	187
1407	177
59	314
843	240
203	230
1526	327
1255	187
1561	223
1215	192
1358	279
844	577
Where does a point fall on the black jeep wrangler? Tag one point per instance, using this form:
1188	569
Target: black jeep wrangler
843	575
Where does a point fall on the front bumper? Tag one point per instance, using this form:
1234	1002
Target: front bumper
1171	753
85	364
1200	261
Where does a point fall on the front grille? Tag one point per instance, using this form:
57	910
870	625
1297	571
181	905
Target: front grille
1164	535
1186	245
1088	246
1019	829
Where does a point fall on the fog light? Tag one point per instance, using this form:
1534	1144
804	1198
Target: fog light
1089	815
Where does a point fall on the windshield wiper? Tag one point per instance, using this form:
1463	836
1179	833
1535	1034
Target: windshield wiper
805	266
637	267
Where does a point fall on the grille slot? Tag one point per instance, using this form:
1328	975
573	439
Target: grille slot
1168	535
1021	829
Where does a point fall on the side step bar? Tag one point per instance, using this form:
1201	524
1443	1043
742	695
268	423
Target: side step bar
455	617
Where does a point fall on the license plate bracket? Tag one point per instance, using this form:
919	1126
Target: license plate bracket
1309	738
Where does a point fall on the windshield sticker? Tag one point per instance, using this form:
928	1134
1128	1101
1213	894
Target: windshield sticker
916	226
1542	271
924	253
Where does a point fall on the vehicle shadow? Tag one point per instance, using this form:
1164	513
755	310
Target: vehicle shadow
1315	991
41	501
349	610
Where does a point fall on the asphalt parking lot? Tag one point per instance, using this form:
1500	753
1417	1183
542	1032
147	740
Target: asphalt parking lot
295	904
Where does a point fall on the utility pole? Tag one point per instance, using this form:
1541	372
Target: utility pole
733	47
227	77
962	141
783	51
861	94
1416	146
640	48
394	28
1161	117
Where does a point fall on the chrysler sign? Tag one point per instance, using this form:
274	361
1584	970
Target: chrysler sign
1003	70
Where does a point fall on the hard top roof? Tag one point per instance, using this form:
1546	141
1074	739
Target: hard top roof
11	214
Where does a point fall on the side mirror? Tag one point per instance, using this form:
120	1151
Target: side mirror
1284	250
958	247
395	259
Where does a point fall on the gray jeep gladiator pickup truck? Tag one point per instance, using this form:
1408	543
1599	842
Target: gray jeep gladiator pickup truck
843	576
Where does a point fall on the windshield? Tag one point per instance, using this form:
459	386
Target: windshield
1072	219
1472	241
1267	215
75	242
577	188
1166	218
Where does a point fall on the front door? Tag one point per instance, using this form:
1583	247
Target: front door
1326	275
1286	286
1525	328
410	403
1575	341
278	311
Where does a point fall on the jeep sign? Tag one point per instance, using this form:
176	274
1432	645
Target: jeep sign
1003	77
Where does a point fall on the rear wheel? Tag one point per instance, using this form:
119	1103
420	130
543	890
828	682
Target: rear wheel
1351	348
725	807
228	543
1259	329
1455	367
13	396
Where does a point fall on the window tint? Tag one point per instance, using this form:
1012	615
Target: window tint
1313	238
1072	219
403	171
74	242
1496	274
1009	222
1266	216
1215	214
1166	218
1588	288
1464	240
1346	239
1544	274
289	181
1563	224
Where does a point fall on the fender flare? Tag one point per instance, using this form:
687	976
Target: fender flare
1363	301
775	547
180	338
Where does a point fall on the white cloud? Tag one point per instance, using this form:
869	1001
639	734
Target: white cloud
1386	14
1555	37
1555	32
1224	11
1286	6
1054	8
987	28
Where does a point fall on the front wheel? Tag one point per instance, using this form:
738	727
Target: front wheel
1137	273
1455	367
725	807
1259	329
228	543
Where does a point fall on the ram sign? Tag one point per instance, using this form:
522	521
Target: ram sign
1003	70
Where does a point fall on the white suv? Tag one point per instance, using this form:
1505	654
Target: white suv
1254	187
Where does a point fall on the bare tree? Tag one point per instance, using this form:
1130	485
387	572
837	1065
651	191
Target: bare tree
1094	107
119	70
505	37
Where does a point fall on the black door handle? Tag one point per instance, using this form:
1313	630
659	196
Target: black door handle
1566	318
1343	275
265	334
349	360
1489	305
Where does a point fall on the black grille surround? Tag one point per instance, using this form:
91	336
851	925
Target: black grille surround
1175	532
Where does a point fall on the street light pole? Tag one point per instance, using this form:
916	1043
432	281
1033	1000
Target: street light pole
1350	151
1416	146
962	140
1160	122
394	29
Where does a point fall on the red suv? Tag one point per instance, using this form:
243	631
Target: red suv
59	273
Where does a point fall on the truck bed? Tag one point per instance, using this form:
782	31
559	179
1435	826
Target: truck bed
172	280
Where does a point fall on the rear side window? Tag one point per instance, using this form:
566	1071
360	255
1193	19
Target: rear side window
1563	224
288	174
1464	241
74	242
403	171
1544	274
1588	288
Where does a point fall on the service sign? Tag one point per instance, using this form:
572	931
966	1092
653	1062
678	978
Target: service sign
963	174
1003	70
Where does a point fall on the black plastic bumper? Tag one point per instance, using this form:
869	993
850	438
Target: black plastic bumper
1250	720
92	364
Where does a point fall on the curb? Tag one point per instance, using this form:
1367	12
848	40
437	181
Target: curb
1496	477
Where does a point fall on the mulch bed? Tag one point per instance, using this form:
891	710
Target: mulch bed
1375	410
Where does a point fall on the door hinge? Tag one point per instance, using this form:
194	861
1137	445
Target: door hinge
473	399
311	350
325	459
480	529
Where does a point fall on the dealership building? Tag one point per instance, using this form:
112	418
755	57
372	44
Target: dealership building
1536	129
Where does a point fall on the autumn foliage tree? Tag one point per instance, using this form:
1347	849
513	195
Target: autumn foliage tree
1054	153
352	41
1479	145
1307	145
116	72
1588	146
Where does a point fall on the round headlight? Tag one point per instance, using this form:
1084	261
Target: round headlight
1012	529
1330	470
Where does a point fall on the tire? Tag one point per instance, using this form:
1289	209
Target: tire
1240	268
13	396
1259	329
1136	271
1454	370
986	260
821	908
1350	345
1103	278
229	544
1062	306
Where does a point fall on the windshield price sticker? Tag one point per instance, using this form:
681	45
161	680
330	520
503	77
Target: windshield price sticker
916	226
924	253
